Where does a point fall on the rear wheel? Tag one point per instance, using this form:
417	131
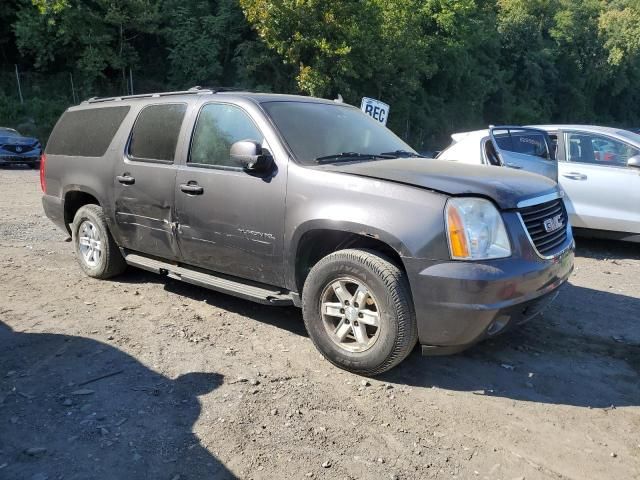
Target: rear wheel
358	310
96	250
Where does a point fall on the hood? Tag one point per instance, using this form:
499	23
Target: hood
504	186
6	140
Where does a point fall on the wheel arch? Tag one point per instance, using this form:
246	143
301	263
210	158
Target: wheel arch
74	199
315	240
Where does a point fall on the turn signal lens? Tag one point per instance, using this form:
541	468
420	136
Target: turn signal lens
457	237
475	230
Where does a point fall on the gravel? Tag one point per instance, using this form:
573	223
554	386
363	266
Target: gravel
216	387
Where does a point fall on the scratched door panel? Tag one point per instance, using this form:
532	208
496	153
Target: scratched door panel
144	181
144	209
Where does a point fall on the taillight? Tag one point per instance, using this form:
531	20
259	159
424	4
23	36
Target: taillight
43	180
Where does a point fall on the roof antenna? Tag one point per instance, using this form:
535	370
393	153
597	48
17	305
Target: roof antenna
339	99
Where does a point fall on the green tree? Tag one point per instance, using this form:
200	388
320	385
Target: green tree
94	37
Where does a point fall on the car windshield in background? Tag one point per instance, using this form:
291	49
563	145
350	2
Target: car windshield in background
525	141
323	131
7	132
632	136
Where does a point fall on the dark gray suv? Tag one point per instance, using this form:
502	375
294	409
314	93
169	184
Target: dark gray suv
295	200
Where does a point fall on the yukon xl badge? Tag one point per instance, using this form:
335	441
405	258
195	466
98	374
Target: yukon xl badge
554	223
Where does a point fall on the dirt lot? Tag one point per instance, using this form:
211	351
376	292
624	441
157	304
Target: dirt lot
202	385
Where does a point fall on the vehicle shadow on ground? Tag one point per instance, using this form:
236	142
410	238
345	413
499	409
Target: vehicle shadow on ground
135	423
601	249
570	355
285	318
16	166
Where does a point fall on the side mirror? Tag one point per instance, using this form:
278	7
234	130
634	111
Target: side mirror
634	161
249	155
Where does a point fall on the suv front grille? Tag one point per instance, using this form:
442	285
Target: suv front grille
547	225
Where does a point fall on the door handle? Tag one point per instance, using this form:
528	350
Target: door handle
126	179
575	176
513	165
192	188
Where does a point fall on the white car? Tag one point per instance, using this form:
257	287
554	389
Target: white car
597	167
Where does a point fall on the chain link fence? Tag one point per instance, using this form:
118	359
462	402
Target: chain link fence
31	102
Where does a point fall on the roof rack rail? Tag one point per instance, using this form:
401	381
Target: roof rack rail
198	88
192	91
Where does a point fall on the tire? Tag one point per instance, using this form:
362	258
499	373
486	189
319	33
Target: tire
34	165
90	223
377	349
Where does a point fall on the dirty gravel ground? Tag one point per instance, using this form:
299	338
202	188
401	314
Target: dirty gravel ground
203	385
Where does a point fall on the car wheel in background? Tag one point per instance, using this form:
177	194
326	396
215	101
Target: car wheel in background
358	311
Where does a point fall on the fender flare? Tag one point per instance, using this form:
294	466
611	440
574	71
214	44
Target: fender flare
343	226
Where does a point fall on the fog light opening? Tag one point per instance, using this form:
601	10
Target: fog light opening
498	325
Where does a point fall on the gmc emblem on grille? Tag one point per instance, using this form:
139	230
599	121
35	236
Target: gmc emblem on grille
554	223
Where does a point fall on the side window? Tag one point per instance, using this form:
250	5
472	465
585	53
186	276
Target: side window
218	127
87	132
155	133
598	150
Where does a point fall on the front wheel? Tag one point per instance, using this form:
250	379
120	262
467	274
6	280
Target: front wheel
96	250
358	311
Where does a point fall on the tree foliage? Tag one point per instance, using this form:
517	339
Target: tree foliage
442	65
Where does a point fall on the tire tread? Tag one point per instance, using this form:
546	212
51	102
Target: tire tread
398	289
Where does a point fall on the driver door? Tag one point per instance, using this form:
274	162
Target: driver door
229	221
526	149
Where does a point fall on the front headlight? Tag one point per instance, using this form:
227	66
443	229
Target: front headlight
475	230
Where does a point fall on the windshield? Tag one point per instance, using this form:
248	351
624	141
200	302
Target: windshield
8	132
631	136
317	130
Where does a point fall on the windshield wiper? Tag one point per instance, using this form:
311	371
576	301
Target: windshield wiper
401	154
349	157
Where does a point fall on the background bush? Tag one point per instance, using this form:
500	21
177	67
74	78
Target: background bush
442	65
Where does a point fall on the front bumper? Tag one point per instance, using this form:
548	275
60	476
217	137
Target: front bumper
29	157
460	303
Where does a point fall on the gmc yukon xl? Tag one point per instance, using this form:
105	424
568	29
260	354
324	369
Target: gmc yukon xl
285	199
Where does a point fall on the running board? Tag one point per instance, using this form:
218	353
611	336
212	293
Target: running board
246	289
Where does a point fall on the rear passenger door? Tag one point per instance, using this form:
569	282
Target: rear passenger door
230	221
144	181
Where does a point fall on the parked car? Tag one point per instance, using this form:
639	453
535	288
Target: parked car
514	147
598	169
14	148
295	200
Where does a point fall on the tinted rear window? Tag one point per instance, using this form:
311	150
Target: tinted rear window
155	134
86	133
